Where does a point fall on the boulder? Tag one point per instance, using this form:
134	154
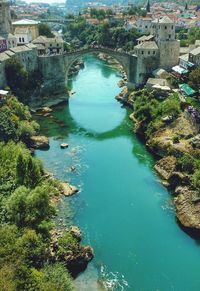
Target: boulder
68	190
75	231
166	166
64	145
46	109
188	207
39	142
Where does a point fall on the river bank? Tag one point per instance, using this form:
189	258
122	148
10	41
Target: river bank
175	141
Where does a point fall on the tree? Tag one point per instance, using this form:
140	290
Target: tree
56	278
16	76
21	169
45	30
194	78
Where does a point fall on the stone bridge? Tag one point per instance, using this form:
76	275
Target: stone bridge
55	68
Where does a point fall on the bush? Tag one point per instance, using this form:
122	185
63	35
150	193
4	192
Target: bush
187	164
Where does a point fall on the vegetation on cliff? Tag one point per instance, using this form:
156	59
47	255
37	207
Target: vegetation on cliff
171	133
27	261
20	81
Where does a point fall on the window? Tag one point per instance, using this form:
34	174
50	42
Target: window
154	52
20	40
172	27
142	52
165	27
57	44
169	35
50	44
146	26
148	52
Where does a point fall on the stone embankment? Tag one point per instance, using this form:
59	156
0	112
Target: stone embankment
161	143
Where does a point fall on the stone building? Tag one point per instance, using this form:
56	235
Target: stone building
164	31
49	46
5	18
25	24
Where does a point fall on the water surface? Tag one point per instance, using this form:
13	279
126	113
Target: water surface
122	209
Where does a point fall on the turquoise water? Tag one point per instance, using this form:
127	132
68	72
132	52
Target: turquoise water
122	209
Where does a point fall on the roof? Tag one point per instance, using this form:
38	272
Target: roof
20	49
197	42
186	89
184	57
25	22
31	45
3	57
163	20
147	45
9	53
145	37
157	81
179	70
22	30
159	72
196	51
40	46
44	39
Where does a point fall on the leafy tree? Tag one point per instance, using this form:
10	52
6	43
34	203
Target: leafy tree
194	78
16	76
56	278
21	169
45	30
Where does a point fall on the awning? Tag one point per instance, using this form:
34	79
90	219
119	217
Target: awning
187	89
180	70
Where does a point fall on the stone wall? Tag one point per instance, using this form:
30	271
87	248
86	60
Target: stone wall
169	54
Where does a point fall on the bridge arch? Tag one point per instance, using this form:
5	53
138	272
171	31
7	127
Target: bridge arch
55	68
119	57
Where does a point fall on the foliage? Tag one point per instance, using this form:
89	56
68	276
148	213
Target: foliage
188	164
67	241
188	37
55	278
194	78
15	121
21	82
45	30
151	111
112	34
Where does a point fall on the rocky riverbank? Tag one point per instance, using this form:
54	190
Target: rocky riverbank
175	140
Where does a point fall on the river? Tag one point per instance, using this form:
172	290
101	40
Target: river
124	212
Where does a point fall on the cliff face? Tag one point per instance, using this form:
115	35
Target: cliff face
172	140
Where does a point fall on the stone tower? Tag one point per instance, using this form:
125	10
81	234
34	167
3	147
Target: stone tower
5	18
164	31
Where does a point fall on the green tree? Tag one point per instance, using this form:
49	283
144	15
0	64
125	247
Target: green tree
56	278
45	30
194	78
21	169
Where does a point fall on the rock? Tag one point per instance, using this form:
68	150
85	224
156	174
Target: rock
75	231
178	178
187	209
166	166
64	145
39	142
46	109
195	141
68	190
